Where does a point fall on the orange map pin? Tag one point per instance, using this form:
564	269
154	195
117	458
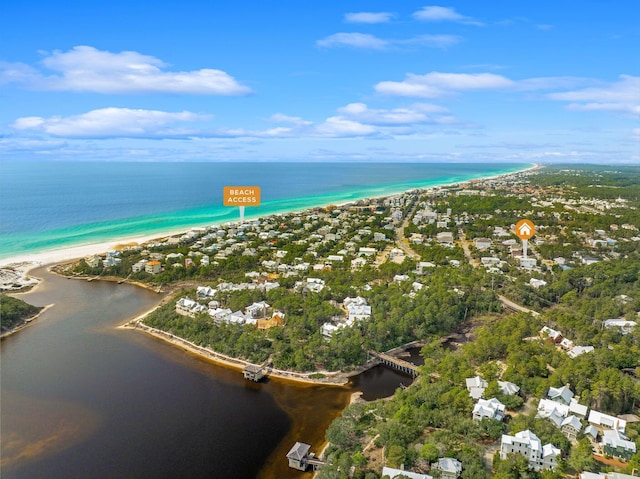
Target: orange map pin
525	229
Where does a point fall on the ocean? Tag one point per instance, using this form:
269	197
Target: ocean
48	205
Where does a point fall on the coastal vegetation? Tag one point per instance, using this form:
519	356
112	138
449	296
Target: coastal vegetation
431	265
14	311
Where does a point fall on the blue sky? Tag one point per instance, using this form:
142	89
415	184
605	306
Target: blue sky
511	81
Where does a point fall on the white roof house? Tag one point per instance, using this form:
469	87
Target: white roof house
604	421
189	307
448	467
623	325
605	475
529	445
571	426
537	283
554	411
508	388
579	350
476	386
488	409
617	444
562	395
327	329
401	474
205	292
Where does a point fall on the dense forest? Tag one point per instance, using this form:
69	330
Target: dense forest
13	311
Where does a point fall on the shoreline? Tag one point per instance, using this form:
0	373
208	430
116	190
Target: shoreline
25	322
23	263
334	378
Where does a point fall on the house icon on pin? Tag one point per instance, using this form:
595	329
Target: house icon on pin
525	229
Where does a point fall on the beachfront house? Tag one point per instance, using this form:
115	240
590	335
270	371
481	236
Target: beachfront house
93	261
153	267
189	307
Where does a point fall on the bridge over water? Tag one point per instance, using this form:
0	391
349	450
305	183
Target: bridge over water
395	363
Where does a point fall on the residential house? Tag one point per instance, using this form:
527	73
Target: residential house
561	395
445	237
257	310
605	475
93	261
604	421
483	243
392	473
153	267
488	409
205	292
537	283
527	263
189	307
579	350
448	467
508	388
358	263
624	326
139	266
616	444
551	334
571	427
277	319
529	445
476	386
423	266
556	412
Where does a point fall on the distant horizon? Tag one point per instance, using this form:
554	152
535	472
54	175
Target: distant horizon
525	82
329	162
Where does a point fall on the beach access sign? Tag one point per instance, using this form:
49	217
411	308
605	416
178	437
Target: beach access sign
241	196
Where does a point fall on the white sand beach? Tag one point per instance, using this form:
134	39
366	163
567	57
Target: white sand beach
14	270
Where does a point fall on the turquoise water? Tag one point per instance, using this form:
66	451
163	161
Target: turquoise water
51	205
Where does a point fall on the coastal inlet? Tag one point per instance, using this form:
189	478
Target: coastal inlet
81	398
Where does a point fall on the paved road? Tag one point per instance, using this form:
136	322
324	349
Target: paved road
402	242
507	303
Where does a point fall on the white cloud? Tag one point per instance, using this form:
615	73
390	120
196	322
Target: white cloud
416	114
282	118
436	13
621	96
436	41
371	42
355	40
85	68
437	84
368	17
112	122
340	127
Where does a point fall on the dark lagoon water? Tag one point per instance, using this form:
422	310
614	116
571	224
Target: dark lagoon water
82	399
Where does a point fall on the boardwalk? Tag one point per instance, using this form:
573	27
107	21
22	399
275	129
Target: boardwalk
396	363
